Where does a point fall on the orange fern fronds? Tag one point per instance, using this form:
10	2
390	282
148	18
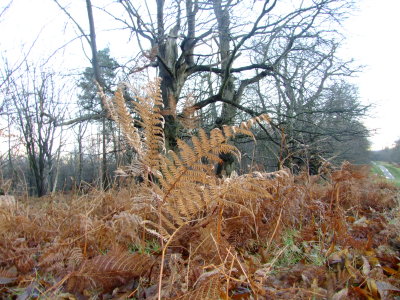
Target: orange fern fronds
106	272
209	289
148	143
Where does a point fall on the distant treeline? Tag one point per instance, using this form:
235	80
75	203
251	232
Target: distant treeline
388	154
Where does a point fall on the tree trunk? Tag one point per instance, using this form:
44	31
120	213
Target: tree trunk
80	162
227	86
98	79
228	89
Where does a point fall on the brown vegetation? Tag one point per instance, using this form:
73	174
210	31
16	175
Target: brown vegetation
184	233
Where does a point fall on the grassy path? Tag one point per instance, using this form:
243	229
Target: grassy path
380	168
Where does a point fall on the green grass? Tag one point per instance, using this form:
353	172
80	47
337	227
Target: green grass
376	170
395	171
151	247
296	252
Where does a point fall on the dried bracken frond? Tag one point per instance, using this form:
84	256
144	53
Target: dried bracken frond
126	122
208	289
128	226
189	118
8	276
108	271
149	142
148	107
190	172
56	260
7	201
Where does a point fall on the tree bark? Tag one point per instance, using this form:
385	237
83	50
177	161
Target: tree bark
227	89
98	79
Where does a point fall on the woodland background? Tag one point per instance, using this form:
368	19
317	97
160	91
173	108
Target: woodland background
220	62
209	163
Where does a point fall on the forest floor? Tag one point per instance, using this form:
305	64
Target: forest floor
271	236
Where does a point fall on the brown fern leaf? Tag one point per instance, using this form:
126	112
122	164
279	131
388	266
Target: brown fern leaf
171	110
105	272
56	259
24	262
188	164
187	203
208	289
117	110
247	191
187	178
107	103
149	143
17	253
206	241
127	225
189	118
8	276
244	127
148	107
75	258
125	120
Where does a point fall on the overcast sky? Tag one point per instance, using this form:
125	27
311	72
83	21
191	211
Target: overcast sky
372	40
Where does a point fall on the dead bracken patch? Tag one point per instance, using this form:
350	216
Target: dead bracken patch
184	233
280	238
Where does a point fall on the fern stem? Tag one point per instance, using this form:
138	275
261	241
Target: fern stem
163	259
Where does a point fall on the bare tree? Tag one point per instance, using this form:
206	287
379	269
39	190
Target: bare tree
4	8
186	39
97	80
231	47
79	133
36	100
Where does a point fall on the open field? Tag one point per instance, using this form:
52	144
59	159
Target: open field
393	169
376	170
264	236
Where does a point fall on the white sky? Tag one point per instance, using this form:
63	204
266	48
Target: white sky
372	40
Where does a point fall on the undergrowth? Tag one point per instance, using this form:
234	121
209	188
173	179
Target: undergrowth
184	233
